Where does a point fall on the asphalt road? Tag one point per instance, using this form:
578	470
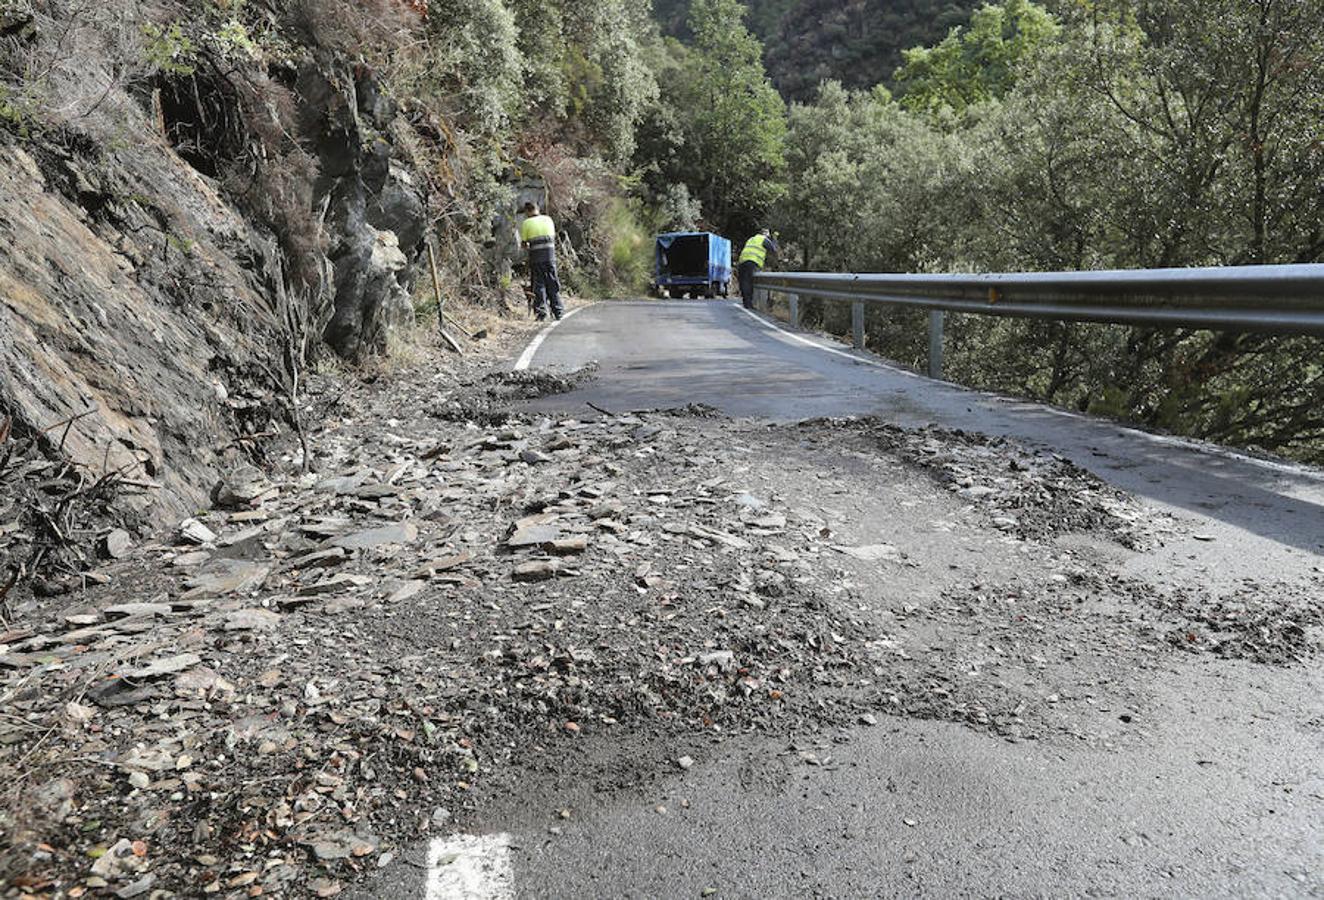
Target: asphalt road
1263	517
1217	789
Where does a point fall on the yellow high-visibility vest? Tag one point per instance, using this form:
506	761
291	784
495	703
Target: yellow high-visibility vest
538	232
756	251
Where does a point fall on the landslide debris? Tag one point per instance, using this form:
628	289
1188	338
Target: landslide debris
289	689
1028	492
285	690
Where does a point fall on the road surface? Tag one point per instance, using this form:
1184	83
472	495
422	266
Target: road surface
1217	790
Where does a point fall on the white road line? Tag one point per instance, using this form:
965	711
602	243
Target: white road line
1300	471
470	867
527	356
817	346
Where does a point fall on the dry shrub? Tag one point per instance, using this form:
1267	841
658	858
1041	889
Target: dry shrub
372	29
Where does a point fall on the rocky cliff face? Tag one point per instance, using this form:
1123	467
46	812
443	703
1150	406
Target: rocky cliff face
151	312
135	306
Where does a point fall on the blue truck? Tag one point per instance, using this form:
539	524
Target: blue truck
693	264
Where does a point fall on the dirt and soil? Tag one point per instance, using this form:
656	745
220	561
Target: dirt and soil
282	694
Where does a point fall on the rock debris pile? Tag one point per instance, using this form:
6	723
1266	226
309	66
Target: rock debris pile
295	685
1027	492
320	669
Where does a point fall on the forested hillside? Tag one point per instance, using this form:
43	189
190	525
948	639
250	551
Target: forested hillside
1107	134
856	42
1112	135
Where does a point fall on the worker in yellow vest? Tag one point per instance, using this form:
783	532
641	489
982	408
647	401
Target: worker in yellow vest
752	258
538	235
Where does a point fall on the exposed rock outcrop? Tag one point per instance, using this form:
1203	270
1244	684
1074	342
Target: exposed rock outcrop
131	295
146	295
377	212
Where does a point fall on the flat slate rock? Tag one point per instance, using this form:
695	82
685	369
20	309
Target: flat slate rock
252	620
226	576
871	553
373	538
534	536
320	559
171	665
130	610
537	570
443	564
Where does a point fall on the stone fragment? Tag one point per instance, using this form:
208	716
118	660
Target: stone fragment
241	537
252	620
535	520
443	564
341	484
127	610
327	558
191	560
568	546
405	591
536	570
201	681
376	491
118	861
337	605
724	660
168	666
244	488
533	536
191	531
374	538
224	577
137	888
871	553
116	544
766	521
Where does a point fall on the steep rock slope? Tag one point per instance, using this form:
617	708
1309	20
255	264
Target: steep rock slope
124	301
159	286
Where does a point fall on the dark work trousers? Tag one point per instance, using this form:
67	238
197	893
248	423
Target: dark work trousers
546	287
747	270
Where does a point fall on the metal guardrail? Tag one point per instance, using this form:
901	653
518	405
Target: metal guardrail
1272	299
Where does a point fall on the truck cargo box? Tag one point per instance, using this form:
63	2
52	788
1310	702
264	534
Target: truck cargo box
693	263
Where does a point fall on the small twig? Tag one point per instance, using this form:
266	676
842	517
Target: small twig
441	305
605	412
4	591
64	423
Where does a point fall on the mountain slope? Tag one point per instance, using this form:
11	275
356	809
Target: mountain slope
856	42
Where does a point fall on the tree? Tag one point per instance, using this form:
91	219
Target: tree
733	120
869	183
977	63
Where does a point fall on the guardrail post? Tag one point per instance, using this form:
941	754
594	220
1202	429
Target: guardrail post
794	302
936	318
857	323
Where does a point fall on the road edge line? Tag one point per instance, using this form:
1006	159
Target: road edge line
470	867
1283	468
844	354
526	358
